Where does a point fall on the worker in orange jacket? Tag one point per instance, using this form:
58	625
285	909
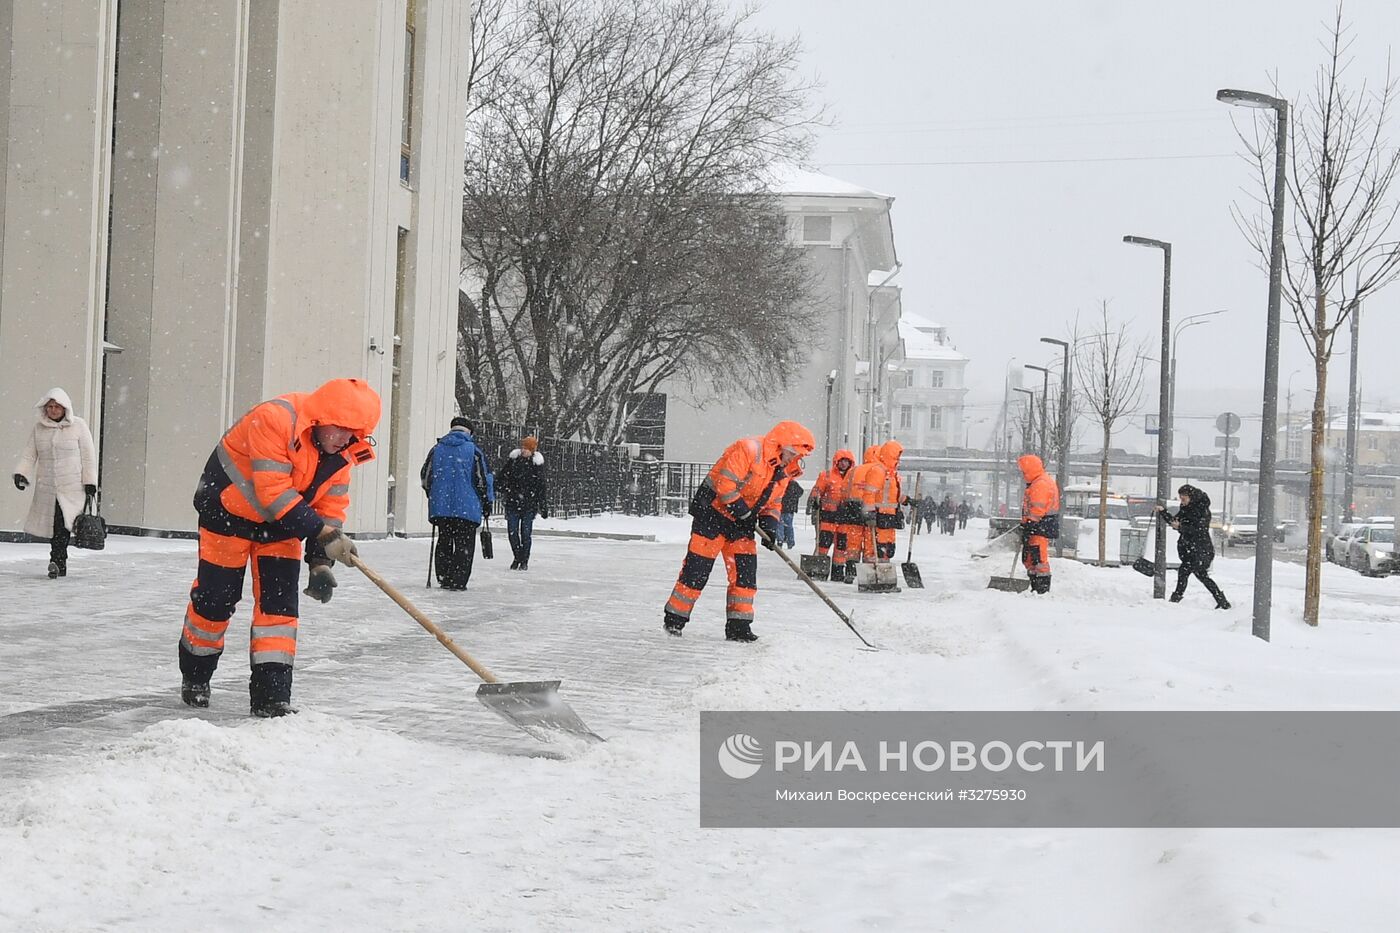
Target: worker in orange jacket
860	482
879	490
743	493
828	492
1040	520
279	476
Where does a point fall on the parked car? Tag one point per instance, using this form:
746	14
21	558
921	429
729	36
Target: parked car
1336	546
1371	551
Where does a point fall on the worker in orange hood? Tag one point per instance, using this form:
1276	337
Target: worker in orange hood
1040	520
827	494
279	476
743	493
866	490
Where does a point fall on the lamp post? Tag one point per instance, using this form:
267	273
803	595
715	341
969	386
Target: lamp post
1044	394
1164	411
1288	419
1062	441
830	385
872	351
1028	439
1268	440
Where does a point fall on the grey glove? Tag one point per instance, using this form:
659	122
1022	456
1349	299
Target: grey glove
20	482
320	584
338	547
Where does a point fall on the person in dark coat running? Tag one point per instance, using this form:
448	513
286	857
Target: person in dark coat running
1193	546
522	489
460	491
792	501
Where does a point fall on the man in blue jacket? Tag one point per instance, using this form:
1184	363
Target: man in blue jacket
460	491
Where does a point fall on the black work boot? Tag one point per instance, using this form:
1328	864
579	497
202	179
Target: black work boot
193	693
1221	602
270	690
1176	596
673	624
738	630
850	572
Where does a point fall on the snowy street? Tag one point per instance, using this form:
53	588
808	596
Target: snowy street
395	801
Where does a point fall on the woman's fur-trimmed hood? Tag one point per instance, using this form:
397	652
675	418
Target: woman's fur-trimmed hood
537	459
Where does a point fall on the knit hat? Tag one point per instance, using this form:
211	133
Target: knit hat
460	422
529	444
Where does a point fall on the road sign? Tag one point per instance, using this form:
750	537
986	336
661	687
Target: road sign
1226	441
1228	423
1149	425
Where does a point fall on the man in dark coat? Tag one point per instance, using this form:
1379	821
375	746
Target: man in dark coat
792	501
964	511
458	483
1193	546
521	484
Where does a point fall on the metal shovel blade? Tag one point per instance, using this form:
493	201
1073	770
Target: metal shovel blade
912	577
817	566
876	578
536	708
1008	584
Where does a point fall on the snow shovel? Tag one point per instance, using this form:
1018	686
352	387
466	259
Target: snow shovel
912	577
1010	584
877	577
818	590
992	545
533	706
816	565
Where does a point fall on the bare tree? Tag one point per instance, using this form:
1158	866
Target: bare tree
1108	373
1339	214
617	228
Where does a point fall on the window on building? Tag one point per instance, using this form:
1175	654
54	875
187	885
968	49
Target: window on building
900	380
406	142
1373	443
935	419
906	417
816	229
936	378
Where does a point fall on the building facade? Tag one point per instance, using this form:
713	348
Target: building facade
205	206
848	236
1377	444
926	398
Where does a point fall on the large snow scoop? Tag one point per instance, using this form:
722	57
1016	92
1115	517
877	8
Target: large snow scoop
912	577
818	590
534	706
877	577
1011	584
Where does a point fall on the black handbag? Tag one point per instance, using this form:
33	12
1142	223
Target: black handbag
89	528
486	550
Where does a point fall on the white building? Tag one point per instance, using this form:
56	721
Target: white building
928	389
847	234
244	199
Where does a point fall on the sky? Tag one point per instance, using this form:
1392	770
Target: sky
1022	141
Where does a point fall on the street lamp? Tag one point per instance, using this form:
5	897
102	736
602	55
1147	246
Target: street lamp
1044	394
1028	438
1191	320
1288	420
1268	440
872	349
1164	411
1062	464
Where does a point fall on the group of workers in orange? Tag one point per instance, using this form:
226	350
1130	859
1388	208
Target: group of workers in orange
860	506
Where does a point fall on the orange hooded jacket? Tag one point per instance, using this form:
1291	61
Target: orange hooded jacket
830	487
745	470
268	471
1040	503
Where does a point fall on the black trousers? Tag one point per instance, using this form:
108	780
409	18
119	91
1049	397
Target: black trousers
1184	574
58	544
456	550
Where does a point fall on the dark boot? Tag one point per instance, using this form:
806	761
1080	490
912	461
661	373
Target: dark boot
53	570
850	572
1221	602
193	693
63	568
1176	596
673	624
270	690
838	573
515	564
738	630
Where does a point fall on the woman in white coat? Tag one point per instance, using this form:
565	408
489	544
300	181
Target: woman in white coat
61	461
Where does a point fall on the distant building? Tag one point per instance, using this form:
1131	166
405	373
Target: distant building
1377	444
847	234
928	389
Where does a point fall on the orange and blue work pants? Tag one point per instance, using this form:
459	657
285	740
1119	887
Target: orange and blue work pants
1035	554
272	645
708	540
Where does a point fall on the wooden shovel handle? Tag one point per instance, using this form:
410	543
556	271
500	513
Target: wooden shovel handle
408	607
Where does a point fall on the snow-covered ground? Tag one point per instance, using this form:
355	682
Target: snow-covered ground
394	801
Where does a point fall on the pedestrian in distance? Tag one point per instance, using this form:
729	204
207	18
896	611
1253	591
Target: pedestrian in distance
460	489
279	476
792	501
928	513
1193	545
522	489
742	495
60	461
964	512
